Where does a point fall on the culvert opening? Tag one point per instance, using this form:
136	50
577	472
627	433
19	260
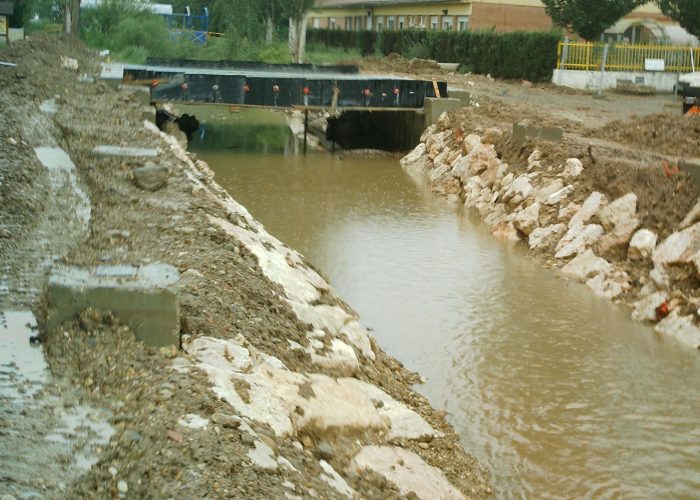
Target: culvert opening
384	130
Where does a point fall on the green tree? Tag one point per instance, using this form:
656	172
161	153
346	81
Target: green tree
297	11
685	12
590	18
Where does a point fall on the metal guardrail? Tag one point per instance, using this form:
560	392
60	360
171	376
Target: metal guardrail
627	57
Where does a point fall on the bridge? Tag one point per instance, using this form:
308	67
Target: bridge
305	87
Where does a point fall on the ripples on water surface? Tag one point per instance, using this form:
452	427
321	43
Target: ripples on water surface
557	391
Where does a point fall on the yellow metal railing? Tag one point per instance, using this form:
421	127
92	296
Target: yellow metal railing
626	57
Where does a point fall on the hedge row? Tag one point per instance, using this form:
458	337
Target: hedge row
516	55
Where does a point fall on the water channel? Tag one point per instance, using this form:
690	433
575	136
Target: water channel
557	391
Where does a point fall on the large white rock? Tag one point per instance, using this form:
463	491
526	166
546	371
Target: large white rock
692	217
334	479
577	239
522	186
682	328
414	155
642	244
586	265
527	220
618	238
481	157
679	247
611	285
543	237
274	393
619	212
573	167
262	456
559	195
645	308
590	207
428	132
406	470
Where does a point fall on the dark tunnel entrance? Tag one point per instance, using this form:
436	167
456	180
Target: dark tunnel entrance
388	131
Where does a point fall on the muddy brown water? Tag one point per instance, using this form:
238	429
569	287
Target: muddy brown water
557	391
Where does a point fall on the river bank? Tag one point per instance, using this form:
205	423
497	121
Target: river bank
615	213
277	390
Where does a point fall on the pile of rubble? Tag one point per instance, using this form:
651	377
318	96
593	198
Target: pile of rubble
598	241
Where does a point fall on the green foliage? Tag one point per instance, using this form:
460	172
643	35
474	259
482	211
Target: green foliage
685	12
320	54
529	55
363	40
590	18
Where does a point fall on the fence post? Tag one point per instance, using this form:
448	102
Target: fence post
562	61
602	67
692	59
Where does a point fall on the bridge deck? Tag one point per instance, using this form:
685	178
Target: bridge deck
304	88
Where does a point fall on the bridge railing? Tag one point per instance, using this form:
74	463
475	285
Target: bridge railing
628	57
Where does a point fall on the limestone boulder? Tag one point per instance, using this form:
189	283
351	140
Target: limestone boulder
619	212
543	192
405	470
545	237
645	308
536	155
678	248
692	217
151	177
492	135
436	141
585	265
615	242
572	168
567	211
578	239
506	231
443	122
558	196
611	285
415	155
527	220
593	204
428	132
681	328
642	244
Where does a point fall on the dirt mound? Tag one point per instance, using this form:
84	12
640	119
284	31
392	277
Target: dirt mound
668	134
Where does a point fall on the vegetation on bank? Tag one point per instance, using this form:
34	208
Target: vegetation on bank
520	54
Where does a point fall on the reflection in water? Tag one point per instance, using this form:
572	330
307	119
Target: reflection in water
558	391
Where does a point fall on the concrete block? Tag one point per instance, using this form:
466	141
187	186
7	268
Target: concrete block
525	130
435	106
692	167
145	298
462	95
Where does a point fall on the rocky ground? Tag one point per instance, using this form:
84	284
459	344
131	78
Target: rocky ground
277	390
607	206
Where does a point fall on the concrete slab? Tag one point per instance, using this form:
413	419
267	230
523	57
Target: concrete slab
435	106
463	95
525	130
146	298
107	150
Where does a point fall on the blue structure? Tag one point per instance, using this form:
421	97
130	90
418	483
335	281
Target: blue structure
195	27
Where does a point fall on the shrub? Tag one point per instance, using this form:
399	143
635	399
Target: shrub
529	55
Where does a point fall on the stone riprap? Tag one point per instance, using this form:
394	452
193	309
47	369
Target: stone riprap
591	242
325	408
146	297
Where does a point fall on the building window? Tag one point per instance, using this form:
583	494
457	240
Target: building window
331	23
348	23
390	22
447	23
380	23
434	22
402	22
463	23
317	22
358	23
